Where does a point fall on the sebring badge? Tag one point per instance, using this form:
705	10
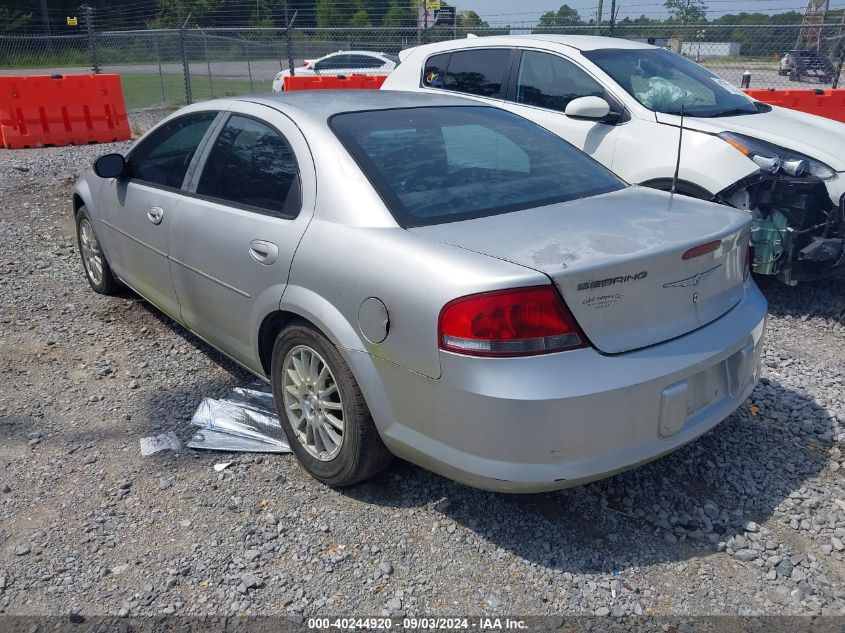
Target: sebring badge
692	281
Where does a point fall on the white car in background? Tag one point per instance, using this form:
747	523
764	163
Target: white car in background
621	101
341	63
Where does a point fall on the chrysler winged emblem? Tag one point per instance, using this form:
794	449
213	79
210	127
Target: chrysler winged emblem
695	280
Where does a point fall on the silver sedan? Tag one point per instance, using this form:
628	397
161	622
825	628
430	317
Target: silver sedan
429	277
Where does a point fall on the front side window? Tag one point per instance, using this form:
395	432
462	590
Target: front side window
477	72
549	81
252	164
666	82
443	164
163	157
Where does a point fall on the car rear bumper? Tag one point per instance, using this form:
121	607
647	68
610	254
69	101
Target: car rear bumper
548	422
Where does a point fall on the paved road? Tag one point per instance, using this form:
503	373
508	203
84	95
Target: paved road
265	69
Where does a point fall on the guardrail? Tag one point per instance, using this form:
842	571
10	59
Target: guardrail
826	103
339	82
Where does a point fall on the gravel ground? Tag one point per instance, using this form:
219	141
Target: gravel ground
750	519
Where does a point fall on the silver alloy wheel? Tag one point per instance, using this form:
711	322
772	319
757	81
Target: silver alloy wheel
313	403
92	256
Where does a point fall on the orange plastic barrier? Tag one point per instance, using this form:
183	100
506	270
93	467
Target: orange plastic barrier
826	103
61	110
351	82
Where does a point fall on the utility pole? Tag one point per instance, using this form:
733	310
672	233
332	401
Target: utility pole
91	36
289	37
45	17
612	16
183	49
598	17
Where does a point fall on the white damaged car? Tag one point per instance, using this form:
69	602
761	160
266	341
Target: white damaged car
341	63
621	102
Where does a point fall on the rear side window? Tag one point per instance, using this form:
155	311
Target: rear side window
334	62
477	72
434	73
163	157
443	164
549	81
365	61
252	164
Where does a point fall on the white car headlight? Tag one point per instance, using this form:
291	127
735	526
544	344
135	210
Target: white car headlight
772	158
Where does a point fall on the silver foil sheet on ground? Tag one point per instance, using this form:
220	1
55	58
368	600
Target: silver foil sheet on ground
245	422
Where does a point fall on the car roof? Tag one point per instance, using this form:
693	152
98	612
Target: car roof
318	105
578	42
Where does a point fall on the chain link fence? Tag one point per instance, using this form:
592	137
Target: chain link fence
172	66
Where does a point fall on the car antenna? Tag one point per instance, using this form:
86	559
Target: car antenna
678	159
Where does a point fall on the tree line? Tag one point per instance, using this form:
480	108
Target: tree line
26	15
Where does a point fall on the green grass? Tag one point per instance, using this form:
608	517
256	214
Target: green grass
143	90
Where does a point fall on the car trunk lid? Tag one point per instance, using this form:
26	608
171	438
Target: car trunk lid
618	260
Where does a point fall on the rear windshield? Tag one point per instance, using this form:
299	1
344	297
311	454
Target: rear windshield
444	164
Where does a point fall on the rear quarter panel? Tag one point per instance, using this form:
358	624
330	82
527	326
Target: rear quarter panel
338	266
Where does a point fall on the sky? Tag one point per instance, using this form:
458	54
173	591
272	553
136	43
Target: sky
507	11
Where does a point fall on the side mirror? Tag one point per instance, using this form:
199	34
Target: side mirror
110	166
587	108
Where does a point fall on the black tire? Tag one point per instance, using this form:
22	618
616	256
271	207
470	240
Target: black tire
107	284
362	453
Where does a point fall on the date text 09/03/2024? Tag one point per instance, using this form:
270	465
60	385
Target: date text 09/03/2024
416	623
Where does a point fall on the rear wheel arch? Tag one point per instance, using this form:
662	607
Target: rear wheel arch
277	320
269	330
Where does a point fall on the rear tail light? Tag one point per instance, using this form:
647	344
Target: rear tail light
702	249
517	322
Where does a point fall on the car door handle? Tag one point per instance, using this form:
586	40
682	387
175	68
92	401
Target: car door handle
263	252
155	214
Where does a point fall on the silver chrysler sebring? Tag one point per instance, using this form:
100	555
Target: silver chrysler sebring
433	278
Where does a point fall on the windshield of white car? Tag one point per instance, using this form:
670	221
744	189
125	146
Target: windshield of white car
666	82
433	165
